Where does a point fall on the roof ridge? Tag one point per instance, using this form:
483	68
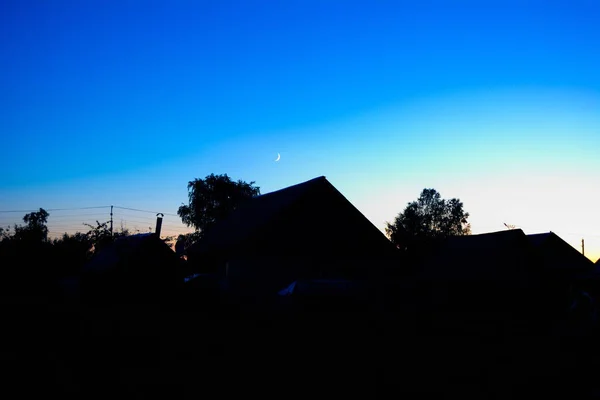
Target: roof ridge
322	177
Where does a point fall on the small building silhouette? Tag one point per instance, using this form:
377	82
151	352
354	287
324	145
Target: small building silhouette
558	254
564	267
480	272
489	277
133	268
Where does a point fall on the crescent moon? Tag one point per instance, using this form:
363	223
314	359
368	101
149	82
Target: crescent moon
278	157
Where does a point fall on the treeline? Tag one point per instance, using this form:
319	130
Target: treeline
31	260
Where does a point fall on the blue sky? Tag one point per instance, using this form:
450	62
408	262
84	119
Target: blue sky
494	102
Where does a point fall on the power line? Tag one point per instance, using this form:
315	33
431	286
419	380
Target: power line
53	209
146	211
127	220
142	218
54	216
146	216
88	208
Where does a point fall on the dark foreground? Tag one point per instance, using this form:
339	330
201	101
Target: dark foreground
142	351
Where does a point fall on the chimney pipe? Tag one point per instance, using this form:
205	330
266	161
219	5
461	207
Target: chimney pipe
159	218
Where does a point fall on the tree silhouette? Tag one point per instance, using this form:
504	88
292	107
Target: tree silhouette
26	253
35	230
212	199
101	235
429	217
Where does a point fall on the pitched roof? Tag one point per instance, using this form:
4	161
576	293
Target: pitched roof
251	215
255	214
504	254
130	249
558	254
496	255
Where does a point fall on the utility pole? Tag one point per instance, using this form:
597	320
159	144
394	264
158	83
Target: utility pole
111	221
582	247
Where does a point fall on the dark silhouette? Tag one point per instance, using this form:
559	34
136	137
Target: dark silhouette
503	296
306	231
429	217
101	235
71	252
35	230
139	268
34	265
25	254
568	277
477	314
212	199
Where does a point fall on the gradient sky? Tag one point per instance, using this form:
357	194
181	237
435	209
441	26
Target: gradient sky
123	102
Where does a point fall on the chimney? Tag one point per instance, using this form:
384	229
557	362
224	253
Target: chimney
159	218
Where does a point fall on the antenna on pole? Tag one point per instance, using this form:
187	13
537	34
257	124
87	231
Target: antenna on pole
111	220
582	247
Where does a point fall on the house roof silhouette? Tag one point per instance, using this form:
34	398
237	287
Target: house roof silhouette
558	254
133	268
502	255
138	252
315	209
